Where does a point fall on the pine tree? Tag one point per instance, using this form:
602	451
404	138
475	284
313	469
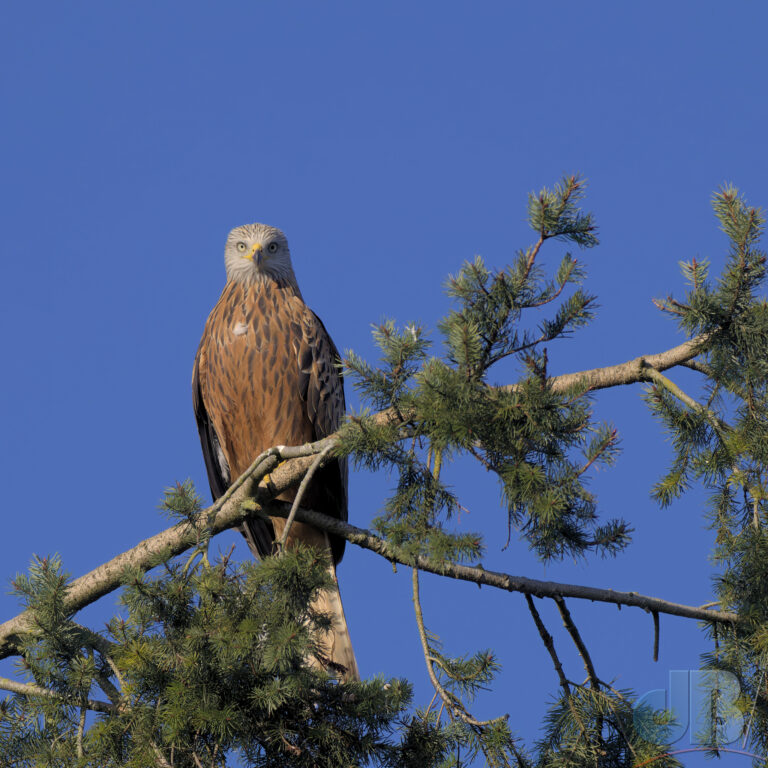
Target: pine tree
209	662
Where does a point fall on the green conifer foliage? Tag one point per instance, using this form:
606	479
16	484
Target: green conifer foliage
208	662
723	444
539	443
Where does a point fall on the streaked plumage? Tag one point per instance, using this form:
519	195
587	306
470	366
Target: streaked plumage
266	374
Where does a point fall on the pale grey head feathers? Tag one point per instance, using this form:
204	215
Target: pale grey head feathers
258	253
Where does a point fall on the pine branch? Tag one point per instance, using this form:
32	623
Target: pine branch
228	512
630	372
253	498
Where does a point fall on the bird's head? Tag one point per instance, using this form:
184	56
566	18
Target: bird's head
256	252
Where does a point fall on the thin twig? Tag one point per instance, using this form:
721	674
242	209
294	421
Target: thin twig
617	721
578	642
532	256
607	443
585	657
560	288
306	480
473	450
695	365
429	707
106	685
225	558
655	615
115	670
549	644
453	705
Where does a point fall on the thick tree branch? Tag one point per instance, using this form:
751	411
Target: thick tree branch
630	372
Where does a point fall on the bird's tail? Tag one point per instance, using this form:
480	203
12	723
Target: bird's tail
338	658
336	645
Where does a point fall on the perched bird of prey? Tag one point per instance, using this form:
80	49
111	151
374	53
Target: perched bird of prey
266	373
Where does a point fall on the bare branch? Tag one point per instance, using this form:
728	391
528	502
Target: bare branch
479	575
532	253
703	368
173	541
578	642
630	372
549	644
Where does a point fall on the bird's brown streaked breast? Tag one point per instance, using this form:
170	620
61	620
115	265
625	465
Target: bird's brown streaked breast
248	377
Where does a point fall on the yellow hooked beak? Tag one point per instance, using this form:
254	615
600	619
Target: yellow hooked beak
257	249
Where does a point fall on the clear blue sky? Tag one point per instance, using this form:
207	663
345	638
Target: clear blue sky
390	142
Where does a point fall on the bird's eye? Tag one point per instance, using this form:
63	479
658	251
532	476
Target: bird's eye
272	247
241	246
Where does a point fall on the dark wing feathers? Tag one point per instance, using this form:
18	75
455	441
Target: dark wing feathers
324	396
215	463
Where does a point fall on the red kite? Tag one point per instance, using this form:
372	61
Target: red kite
266	373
